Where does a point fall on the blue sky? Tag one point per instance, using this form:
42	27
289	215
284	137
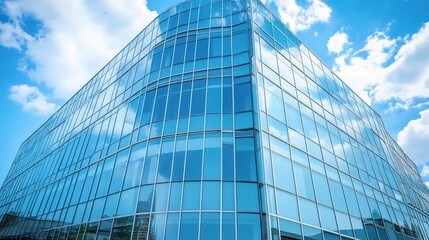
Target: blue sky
49	49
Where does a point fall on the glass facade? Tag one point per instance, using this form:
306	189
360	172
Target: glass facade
215	122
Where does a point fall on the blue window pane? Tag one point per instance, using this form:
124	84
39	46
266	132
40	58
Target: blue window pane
103	230
191	196
167	58
171	229
283	173
175	196
322	189
202	48
157	224
344	224
122	227
327	218
293	118
245	159
184	18
156	60
249	226
111	202
179	53
147	108
214	96
179	158
185	99
287	205
119	171
159	110
173	101
227	95
135	165
165	160
289	230
228	196
97	209
194	157
226	45
141	226
247	197
145	199
212	157
303	181
228	226
211	196
190	51
189	226
127	202
215	47
227	158
311	233
105	176
210	226
330	236
240	42
308	211
161	197
198	97
149	170
339	200
242	97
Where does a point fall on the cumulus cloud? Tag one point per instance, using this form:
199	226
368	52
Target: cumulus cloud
388	70
425	171
337	42
12	36
31	99
75	40
414	139
298	17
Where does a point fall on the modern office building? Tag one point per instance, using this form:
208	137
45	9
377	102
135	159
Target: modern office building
215	122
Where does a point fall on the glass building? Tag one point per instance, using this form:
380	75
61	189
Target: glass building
215	122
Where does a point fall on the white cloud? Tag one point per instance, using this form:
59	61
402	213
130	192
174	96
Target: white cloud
388	70
427	184
408	76
298	17
414	138
12	36
425	171
31	99
337	42
362	69
76	38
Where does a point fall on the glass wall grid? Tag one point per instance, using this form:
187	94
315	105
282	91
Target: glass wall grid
214	122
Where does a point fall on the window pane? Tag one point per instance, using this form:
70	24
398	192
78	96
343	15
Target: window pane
127	202
228	226
157	224
247	197
210	226
242	97
245	159
191	196
145	199
249	226
287	205
141	226
303	181
172	226
211	196
189	226
289	230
